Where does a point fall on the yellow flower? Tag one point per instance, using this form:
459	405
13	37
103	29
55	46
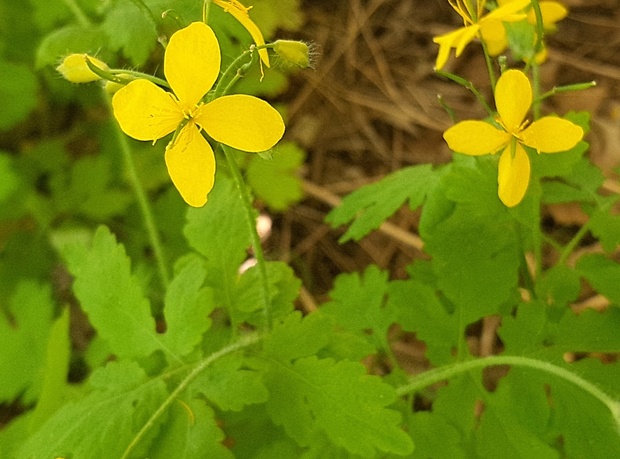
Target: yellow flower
75	69
240	13
488	27
552	12
191	66
549	134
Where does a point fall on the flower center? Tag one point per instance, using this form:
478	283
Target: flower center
190	113
514	132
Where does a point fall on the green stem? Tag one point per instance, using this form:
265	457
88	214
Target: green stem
247	341
489	62
147	214
206	5
540	28
567	88
446	372
536	89
552	242
573	243
238	69
116	75
449	110
470	86
220	90
78	13
145	76
256	242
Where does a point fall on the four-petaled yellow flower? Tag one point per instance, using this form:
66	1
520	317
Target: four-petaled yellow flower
488	27
240	13
191	66
549	134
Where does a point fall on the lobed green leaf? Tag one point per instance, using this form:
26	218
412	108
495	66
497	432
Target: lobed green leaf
338	399
276	181
187	309
357	305
102	424
369	206
24	330
232	383
191	430
112	297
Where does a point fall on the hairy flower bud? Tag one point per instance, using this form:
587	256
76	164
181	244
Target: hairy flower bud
293	52
75	69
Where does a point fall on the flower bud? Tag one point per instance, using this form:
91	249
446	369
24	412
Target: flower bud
293	52
75	69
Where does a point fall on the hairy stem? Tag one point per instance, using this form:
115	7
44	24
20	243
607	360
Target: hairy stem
446	372
206	5
199	368
470	86
256	242
145	208
489	62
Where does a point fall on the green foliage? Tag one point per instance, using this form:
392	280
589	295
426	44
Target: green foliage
24	329
130	31
337	399
190	431
112	297
274	180
121	396
369	206
129	330
18	92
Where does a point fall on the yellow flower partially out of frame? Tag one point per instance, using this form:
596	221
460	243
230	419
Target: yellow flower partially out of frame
549	134
191	66
551	11
488	27
240	13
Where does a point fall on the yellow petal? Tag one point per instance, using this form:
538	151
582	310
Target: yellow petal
242	122
191	165
457	39
192	63
494	35
145	111
513	175
492	30
475	138
469	34
446	42
240	13
552	134
513	97
552	12
508	12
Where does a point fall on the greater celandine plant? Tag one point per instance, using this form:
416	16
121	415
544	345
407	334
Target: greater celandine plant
218	363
